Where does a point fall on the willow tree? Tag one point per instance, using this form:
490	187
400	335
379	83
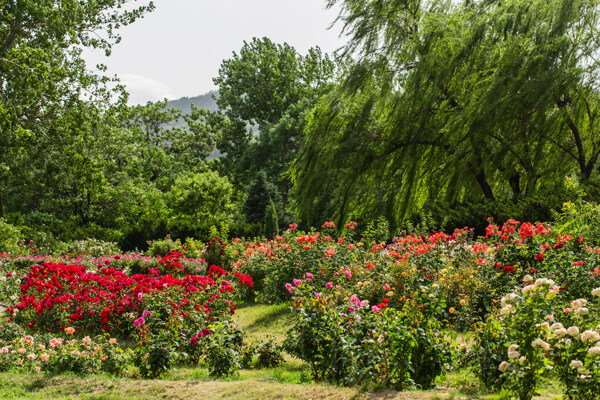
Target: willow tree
454	101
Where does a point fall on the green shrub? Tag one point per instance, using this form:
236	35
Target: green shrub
269	354
345	341
579	219
91	247
9	238
162	247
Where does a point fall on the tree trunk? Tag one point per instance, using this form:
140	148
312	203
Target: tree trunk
485	186
480	176
515	184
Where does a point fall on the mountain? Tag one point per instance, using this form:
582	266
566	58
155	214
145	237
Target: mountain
203	101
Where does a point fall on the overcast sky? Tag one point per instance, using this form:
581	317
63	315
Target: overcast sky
176	50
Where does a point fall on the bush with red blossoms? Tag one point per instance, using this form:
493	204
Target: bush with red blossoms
55	295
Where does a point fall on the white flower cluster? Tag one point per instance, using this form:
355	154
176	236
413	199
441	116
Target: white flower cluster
579	306
540	284
556	331
505	303
540	344
512	351
576	364
590	336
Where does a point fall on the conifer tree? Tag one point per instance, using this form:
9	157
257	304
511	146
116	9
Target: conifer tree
271	225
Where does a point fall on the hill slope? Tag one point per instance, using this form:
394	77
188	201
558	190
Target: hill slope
184	104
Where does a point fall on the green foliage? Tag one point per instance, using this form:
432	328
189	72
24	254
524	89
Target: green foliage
580	220
217	253
269	354
454	102
198	202
156	357
162	247
222	349
377	231
542	338
443	216
489	352
44	81
260	193
266	91
9	238
348	345
271	225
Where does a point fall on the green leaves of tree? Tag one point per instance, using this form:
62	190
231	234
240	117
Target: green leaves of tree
455	101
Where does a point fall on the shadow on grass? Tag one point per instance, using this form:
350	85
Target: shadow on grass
36	385
269	317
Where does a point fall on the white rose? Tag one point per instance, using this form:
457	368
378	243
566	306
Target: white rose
528	278
506	310
513	354
576	364
596	292
573	331
503	366
539	343
544	282
507	298
543	325
560	333
594	351
590	336
582	311
556	326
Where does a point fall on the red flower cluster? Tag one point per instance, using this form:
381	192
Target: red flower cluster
171	261
57	295
351	225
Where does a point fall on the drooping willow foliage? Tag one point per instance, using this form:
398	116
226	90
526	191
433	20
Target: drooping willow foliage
454	101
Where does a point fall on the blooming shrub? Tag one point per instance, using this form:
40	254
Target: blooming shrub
542	338
463	276
35	353
347	340
57	295
160	312
366	311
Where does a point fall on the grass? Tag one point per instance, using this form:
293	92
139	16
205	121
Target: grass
289	381
260	321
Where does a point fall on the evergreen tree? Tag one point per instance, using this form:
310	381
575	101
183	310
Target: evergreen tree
260	193
271	225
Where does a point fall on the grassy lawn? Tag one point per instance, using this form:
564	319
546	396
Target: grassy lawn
286	382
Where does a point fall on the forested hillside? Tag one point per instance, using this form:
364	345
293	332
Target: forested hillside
206	101
184	105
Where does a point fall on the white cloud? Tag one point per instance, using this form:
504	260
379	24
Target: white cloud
142	89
